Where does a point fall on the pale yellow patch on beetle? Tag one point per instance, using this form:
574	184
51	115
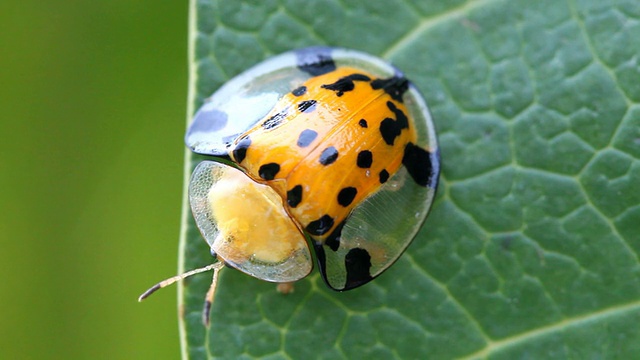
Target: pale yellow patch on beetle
249	216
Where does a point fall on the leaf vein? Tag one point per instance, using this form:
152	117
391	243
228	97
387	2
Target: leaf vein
495	347
427	23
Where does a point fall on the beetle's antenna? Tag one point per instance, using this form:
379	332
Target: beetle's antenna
208	300
164	283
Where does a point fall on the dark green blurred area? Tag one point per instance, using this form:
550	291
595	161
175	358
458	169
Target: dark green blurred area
93	98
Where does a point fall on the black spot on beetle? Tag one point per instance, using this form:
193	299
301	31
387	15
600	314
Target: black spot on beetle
240	151
401	118
275	120
306	137
328	156
365	159
346	196
363	123
299	91
294	196
384	176
315	60
358	265
333	240
345	84
357	262
418	163
307	106
321	257
321	226
269	171
394	86
390	128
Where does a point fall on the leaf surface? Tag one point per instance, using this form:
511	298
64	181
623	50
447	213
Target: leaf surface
531	249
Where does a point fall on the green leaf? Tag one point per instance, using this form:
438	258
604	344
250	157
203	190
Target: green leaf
531	249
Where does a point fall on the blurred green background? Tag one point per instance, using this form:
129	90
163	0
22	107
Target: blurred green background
93	103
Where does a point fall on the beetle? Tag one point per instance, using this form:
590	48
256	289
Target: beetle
326	146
